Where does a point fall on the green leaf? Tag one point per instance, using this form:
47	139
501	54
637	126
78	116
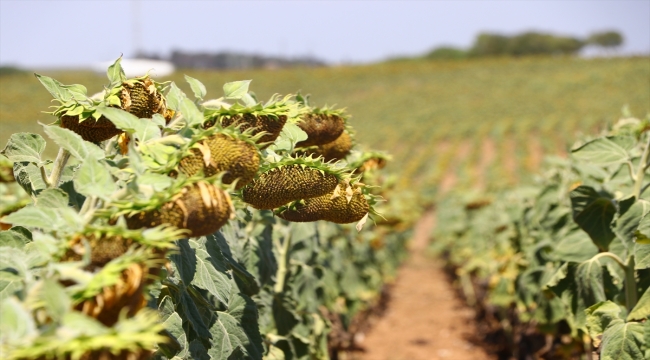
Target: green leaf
174	325
641	256
122	119
236	328
576	247
642	308
56	301
219	250
69	140
184	261
94	179
197	87
601	151
583	285
622	341
290	135
174	97
13	238
642	233
9	284
25	147
193	316
16	323
197	351
147	130
594	214
115	72
55	88
599	316
29	177
628	223
34	217
236	89
208	278
52	199
158	182
158	120
191	114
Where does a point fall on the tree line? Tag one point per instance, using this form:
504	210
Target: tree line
528	43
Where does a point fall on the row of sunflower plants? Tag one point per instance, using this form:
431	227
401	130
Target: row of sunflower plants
177	228
560	269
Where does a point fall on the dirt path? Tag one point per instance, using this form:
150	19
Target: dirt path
425	320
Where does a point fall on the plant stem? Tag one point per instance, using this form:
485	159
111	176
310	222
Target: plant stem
613	257
283	265
44	176
638	180
630	284
57	168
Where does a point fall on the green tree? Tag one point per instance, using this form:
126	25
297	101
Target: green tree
606	39
446	53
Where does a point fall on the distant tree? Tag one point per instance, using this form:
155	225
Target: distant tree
446	53
487	44
533	43
606	39
528	43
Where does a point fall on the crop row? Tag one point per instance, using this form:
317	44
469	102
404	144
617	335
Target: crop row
559	268
179	228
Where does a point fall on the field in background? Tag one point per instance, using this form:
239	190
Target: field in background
480	123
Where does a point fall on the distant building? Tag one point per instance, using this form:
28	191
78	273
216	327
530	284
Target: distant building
231	60
140	67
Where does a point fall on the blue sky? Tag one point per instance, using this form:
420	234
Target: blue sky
78	33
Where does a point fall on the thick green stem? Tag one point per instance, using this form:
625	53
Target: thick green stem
57	168
283	265
638	179
630	285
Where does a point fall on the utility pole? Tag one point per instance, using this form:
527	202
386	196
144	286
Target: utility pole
136	28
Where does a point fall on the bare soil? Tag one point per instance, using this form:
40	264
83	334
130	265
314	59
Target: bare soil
425	319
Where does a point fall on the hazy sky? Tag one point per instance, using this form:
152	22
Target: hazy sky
78	33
